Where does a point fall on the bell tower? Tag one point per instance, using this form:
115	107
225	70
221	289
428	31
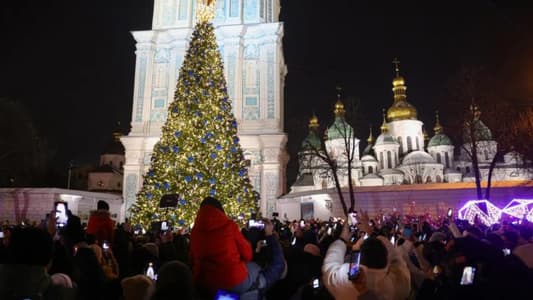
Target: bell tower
249	35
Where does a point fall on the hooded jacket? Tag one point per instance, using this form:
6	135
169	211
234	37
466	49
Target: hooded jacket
391	283
101	225
218	250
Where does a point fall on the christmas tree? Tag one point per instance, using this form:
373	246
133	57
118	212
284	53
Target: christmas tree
199	154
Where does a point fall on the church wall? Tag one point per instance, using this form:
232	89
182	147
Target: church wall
432	198
33	204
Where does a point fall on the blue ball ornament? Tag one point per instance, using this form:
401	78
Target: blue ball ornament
151	173
226	165
176	149
181	222
188	179
149	196
212	180
182	202
212	192
199	176
213	155
233	149
166	185
157	186
235	139
202	140
175	110
190	158
177	134
218	147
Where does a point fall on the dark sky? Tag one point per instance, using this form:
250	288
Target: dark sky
72	62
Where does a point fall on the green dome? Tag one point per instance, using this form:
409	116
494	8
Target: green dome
312	141
340	129
440	139
481	132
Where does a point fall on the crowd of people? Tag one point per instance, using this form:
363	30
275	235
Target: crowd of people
357	257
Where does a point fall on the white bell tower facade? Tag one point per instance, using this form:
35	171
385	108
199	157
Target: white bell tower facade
249	35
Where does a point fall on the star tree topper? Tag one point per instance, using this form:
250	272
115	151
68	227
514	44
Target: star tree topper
206	10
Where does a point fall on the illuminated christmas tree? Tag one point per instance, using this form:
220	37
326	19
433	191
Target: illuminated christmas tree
199	154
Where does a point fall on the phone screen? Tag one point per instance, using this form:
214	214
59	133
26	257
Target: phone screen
468	275
330	231
256	224
150	271
506	251
393	240
354	265
316	283
1	234
61	213
164	226
224	295
302	223
450	212
293	241
105	245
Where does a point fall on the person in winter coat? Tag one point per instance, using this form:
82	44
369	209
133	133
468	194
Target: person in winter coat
100	225
386	272
218	250
221	256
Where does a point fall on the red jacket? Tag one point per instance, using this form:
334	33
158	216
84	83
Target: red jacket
101	226
218	250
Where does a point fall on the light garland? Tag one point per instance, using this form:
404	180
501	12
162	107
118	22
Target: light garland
489	214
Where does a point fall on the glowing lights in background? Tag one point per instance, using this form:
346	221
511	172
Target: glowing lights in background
489	213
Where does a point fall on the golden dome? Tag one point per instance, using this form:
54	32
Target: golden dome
339	109
313	122
398	81
400	109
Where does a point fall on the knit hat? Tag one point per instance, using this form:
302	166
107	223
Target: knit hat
62	280
213	202
138	287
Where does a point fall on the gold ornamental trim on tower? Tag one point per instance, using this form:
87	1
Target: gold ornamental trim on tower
400	109
205	11
339	106
384	127
370	139
313	122
438	128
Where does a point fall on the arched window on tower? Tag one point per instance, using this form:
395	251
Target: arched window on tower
486	154
409	144
381	160
370	170
467	170
447	158
401	145
439	158
389	160
417	144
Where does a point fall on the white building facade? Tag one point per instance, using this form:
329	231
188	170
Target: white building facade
249	35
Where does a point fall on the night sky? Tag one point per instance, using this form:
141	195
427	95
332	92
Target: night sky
71	63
